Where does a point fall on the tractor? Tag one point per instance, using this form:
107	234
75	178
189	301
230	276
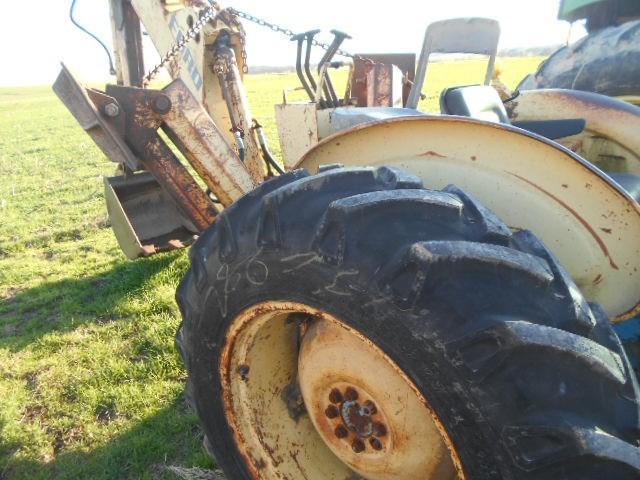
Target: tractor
402	296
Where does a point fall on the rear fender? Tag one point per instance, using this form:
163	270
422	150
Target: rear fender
610	139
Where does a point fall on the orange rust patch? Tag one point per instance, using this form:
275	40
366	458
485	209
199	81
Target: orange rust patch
577	216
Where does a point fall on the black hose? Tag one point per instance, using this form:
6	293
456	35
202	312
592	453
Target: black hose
264	146
112	69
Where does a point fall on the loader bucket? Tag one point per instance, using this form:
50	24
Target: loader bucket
144	219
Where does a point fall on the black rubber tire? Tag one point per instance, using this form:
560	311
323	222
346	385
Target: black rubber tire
605	62
529	380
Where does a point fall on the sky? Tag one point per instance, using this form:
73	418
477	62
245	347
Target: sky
36	36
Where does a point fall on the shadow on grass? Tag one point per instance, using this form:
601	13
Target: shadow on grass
170	437
63	305
6	450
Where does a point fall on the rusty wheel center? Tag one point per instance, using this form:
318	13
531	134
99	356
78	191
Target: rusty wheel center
357	419
366	410
360	425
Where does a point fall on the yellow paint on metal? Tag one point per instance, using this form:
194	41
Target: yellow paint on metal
193	65
383	430
297	129
205	146
634	99
258	365
610	140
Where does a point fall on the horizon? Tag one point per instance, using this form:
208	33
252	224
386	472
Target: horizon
36	62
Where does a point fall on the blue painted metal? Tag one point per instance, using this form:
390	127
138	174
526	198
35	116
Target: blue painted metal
629	333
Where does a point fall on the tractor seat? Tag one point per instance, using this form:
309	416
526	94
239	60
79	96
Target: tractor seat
483	103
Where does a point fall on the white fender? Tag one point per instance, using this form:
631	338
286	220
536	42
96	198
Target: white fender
610	139
589	222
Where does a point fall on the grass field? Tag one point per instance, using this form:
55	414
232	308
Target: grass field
90	383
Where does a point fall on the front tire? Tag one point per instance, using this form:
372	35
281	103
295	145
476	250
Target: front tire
524	379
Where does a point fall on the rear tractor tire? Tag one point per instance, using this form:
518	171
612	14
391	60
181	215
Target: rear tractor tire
353	324
605	62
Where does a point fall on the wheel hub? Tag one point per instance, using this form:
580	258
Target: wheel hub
366	410
356	420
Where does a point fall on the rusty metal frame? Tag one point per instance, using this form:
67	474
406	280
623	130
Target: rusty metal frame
125	122
195	134
205	147
200	111
130	133
210	66
141	124
406	62
88	108
166	24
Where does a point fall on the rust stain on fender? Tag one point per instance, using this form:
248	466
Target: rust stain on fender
577	216
431	153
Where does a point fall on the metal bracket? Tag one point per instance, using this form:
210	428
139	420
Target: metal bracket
94	120
143	111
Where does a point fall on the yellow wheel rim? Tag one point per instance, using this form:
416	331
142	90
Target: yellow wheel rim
317	400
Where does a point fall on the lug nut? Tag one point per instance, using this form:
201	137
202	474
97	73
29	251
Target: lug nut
370	407
341	431
111	110
351	394
379	429
162	104
375	444
335	396
358	445
332	411
243	371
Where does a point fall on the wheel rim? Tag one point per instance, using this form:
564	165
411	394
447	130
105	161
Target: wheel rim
308	397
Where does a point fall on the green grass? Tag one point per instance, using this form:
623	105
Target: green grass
90	383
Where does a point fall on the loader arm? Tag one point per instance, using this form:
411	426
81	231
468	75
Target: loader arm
210	66
157	204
